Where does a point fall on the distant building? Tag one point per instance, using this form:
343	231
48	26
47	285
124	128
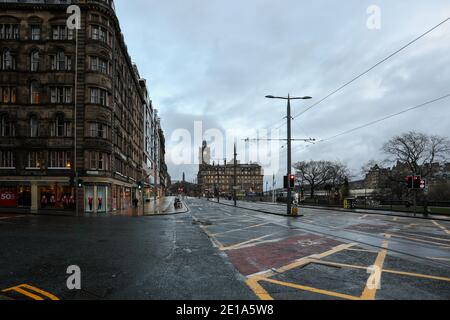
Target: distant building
377	178
220	178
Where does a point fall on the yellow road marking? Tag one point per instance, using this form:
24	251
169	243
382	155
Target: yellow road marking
420	240
417	275
305	288
258	289
441	227
302	261
364	216
403	273
240	229
253	281
337	264
428	237
20	289
238	245
369	293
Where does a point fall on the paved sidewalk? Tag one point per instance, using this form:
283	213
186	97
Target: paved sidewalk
163	206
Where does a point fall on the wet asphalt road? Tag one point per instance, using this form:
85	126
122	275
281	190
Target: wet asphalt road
220	252
164	257
327	254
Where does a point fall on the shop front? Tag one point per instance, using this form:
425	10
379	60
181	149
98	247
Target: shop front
56	197
97	199
15	196
121	198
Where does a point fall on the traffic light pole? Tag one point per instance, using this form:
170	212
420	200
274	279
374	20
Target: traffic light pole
235	177
415	194
289	155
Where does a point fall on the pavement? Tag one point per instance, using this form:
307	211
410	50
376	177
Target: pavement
163	206
220	252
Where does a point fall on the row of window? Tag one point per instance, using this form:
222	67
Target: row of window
98	161
10	31
57	160
58	62
60	127
231	172
58	95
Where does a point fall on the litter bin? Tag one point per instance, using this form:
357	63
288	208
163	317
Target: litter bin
349	203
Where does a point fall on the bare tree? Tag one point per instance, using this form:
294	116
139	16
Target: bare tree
321	173
418	151
339	174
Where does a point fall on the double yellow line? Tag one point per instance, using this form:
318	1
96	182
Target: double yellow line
31	292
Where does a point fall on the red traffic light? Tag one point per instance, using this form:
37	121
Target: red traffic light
292	180
409	182
417	182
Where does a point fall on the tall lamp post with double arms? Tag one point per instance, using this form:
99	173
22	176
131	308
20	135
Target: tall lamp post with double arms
289	147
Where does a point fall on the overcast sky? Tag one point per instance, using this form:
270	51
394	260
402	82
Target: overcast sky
215	61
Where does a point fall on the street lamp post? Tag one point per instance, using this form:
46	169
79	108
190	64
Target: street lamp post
289	146
75	124
218	182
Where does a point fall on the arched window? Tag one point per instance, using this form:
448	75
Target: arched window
8	61
6	127
35	95
34	60
34	127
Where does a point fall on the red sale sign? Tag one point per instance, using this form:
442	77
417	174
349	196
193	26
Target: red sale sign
8	199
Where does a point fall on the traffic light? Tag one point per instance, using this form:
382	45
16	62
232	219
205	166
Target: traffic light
80	183
292	181
409	182
417	182
140	185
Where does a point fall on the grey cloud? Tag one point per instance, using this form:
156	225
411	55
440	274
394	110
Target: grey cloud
216	60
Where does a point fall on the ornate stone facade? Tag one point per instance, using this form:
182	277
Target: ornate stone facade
40	165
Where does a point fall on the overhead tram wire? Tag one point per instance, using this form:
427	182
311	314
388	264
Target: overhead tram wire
371	68
446	96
